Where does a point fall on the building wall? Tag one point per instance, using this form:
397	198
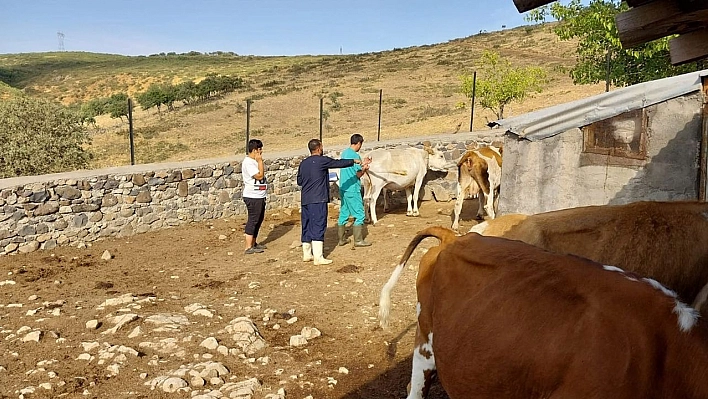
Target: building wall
79	207
553	173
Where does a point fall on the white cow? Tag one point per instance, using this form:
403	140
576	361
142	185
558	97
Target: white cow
479	174
397	169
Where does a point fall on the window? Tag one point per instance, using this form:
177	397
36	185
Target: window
622	136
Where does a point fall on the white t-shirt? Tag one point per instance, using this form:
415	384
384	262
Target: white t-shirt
252	188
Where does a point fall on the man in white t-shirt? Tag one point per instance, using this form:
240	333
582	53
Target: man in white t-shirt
254	194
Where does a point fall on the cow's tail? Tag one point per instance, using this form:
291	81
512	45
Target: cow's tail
367	185
701	299
443	234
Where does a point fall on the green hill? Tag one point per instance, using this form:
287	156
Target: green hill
420	92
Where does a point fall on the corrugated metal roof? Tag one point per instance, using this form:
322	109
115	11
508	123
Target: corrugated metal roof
551	121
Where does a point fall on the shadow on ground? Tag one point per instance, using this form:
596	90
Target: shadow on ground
279	231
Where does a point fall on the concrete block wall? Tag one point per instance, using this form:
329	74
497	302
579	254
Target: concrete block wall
42	212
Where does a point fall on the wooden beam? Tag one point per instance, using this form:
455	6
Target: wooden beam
703	171
689	47
637	3
660	18
528	5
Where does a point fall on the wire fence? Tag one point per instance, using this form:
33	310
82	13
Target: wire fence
323	116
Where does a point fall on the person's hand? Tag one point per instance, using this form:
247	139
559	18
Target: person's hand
367	161
365	167
258	156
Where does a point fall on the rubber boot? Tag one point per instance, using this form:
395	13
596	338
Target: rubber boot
342	232
307	252
358	232
317	247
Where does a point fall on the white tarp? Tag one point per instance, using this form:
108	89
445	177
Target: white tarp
551	121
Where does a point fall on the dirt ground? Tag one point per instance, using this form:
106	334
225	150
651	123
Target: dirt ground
192	264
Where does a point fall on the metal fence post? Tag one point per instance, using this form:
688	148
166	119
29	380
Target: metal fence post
378	132
130	131
248	123
474	87
321	116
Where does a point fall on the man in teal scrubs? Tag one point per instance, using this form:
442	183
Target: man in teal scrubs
352	205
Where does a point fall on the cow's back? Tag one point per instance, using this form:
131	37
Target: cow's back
667	241
396	159
514	321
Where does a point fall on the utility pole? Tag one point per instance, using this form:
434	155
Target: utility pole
60	37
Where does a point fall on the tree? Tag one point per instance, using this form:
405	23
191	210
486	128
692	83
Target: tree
186	92
40	137
501	83
117	106
600	55
153	97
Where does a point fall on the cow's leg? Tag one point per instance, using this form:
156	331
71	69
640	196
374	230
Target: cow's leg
372	205
481	199
461	193
412	210
423	367
385	199
416	191
489	204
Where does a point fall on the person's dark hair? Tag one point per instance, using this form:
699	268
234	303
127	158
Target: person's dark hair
356	139
313	145
254	144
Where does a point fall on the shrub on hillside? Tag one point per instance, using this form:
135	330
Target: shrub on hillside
40	137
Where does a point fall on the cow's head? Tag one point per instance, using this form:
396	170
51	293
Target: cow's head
437	161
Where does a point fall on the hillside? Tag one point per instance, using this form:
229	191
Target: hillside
420	92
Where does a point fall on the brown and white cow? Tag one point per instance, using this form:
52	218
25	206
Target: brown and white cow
666	241
501	319
479	175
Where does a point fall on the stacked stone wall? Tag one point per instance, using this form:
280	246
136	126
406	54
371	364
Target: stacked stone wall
79	207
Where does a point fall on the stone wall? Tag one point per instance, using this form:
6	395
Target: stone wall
79	207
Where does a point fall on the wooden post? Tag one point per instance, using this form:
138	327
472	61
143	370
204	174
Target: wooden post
704	145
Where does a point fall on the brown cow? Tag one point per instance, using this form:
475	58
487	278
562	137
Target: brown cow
503	319
479	175
666	241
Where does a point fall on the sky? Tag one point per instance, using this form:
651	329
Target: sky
252	27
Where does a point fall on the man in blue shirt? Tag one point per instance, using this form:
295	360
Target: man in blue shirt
313	177
350	193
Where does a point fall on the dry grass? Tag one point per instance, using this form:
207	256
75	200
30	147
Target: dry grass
420	92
